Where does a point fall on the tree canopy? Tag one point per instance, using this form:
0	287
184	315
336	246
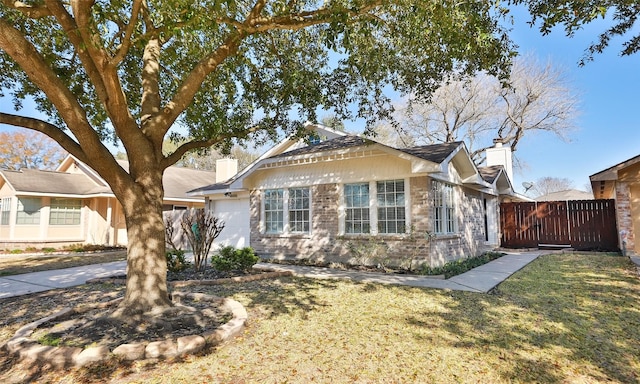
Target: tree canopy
548	184
221	70
573	15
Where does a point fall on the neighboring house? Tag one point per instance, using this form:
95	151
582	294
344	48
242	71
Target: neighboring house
569	194
75	205
622	183
329	199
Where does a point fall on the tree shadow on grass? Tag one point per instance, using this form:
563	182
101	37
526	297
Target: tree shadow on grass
560	314
22	310
275	297
271	297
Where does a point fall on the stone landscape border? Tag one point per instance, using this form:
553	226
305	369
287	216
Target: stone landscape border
25	348
22	346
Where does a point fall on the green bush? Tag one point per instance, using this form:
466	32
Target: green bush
233	259
176	261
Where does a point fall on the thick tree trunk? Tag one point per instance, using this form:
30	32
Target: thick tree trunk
146	291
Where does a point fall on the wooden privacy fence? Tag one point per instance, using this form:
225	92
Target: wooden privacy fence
579	224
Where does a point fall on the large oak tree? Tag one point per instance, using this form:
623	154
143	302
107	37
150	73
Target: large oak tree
223	70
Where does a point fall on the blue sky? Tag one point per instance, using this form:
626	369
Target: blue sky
609	126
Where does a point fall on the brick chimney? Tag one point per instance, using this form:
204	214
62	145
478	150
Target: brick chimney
500	155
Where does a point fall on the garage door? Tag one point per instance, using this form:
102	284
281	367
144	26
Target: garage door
235	214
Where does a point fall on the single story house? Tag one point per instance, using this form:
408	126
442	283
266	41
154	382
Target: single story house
568	194
622	183
73	204
339	197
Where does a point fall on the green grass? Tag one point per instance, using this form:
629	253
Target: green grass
50	340
564	318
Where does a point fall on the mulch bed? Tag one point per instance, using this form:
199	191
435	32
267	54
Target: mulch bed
91	324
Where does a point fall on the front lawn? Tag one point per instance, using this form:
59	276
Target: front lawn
564	318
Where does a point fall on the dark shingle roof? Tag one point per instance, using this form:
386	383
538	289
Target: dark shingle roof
341	142
176	181
489	174
436	153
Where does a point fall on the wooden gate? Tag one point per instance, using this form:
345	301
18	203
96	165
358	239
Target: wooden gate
579	224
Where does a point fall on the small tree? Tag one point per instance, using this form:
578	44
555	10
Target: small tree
201	228
479	109
548	184
22	149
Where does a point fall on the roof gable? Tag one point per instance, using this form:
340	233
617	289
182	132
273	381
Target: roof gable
611	173
427	159
436	153
74	178
35	181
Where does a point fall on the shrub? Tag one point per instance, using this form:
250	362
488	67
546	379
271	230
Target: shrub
457	267
233	259
370	249
50	340
176	261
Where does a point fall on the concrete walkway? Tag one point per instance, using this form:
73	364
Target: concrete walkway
26	283
481	279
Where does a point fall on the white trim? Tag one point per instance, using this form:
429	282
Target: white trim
286	227
281	147
373	209
64	195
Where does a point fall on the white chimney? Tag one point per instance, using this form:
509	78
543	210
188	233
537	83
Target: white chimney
226	169
500	155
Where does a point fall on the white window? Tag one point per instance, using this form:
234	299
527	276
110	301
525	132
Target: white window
28	210
65	212
274	210
386	214
287	210
444	208
5	210
356	201
299	210
391	206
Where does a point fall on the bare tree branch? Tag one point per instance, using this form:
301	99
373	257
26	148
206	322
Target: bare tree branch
480	109
195	144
